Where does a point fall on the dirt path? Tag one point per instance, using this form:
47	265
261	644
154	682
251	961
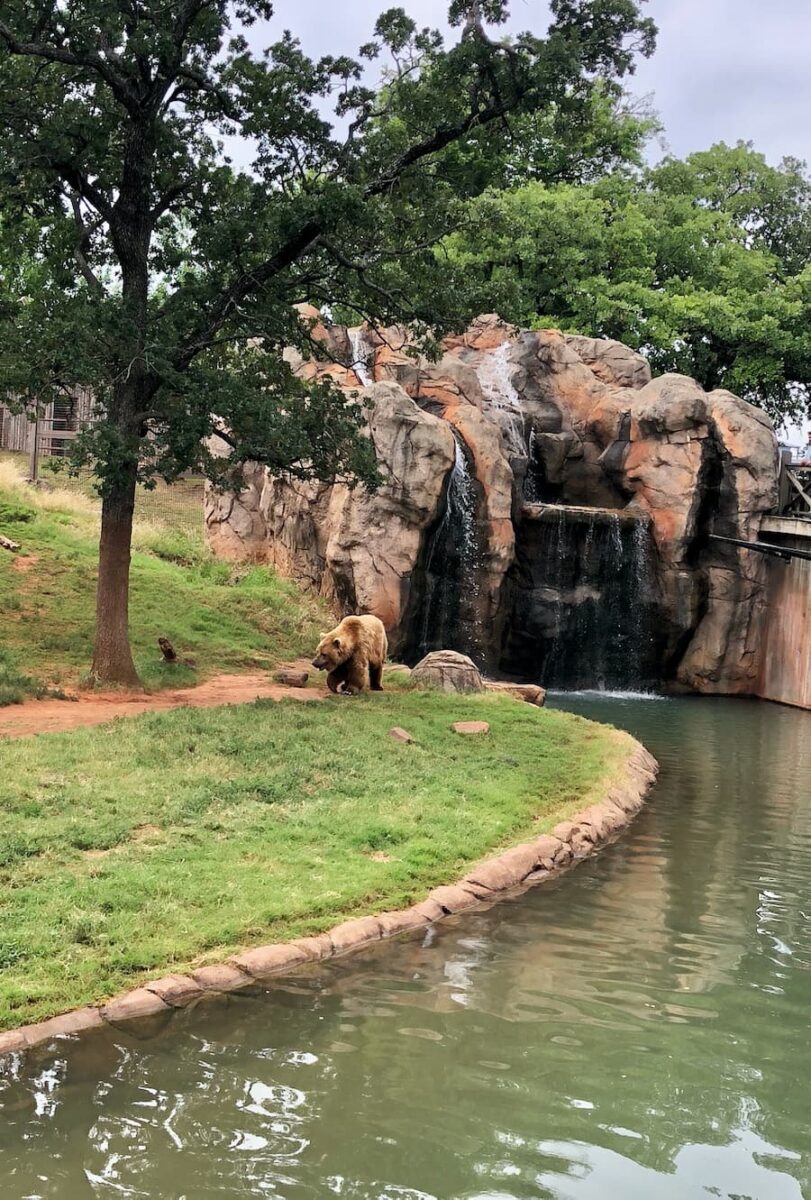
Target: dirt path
93	708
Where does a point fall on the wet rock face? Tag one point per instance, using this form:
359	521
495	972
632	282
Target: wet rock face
478	539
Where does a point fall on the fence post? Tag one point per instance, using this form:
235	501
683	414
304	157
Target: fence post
34	464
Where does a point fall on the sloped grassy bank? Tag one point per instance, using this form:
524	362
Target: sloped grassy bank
219	617
168	841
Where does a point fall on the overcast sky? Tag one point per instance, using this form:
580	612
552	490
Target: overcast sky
724	69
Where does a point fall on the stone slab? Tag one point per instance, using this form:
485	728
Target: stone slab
291	677
357	932
133	1005
453	898
221	977
314	948
401	735
530	693
392	923
175	990
269	960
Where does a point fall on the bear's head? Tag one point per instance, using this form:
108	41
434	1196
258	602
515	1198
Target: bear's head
331	653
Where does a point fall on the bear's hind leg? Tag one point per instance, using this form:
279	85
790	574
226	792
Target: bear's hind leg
376	676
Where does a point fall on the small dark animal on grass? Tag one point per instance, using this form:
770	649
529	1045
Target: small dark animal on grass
353	654
167	649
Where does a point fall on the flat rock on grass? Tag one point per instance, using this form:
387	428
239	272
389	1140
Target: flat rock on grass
530	693
401	735
291	677
471	727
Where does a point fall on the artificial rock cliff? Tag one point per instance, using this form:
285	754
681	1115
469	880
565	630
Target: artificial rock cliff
547	508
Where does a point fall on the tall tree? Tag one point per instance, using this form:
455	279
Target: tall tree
161	264
701	263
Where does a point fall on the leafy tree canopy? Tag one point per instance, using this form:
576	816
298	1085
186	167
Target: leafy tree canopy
702	264
157	264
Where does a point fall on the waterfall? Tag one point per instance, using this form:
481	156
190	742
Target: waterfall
532	489
582	611
362	354
446	583
495	372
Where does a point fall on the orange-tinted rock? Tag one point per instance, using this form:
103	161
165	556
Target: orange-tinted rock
546	848
427	909
133	1005
12	1041
521	860
452	898
221	977
401	735
80	1020
357	932
314	948
530	693
269	960
495	876
392	923
176	990
291	677
471	727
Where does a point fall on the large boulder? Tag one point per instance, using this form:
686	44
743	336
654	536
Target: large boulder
447	671
611	361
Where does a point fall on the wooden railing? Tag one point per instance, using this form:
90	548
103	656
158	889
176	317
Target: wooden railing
799	481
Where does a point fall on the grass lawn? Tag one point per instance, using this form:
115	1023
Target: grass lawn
218	616
175	838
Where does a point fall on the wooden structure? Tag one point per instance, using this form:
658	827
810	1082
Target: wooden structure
50	434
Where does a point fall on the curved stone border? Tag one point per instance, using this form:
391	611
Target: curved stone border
569	843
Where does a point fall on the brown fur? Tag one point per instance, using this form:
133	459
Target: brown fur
353	654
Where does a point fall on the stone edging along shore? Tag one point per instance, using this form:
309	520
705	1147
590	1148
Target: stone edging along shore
523	865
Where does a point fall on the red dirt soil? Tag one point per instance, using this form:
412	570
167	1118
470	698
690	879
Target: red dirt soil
93	708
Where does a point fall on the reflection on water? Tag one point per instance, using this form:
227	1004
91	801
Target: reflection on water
637	1031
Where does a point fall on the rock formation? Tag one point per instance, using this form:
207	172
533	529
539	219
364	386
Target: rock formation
547	509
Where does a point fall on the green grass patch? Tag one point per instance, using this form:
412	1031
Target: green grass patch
15	685
218	616
176	838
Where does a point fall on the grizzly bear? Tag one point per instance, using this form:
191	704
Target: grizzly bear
353	654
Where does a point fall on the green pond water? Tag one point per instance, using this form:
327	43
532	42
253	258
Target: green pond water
639	1030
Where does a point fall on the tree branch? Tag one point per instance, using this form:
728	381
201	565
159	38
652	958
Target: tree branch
119	84
311	233
85	233
86	190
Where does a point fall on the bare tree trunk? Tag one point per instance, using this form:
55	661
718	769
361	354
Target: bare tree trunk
112	656
131	231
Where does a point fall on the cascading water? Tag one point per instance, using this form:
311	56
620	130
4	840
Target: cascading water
532	489
447	580
361	356
495	372
501	398
583	601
